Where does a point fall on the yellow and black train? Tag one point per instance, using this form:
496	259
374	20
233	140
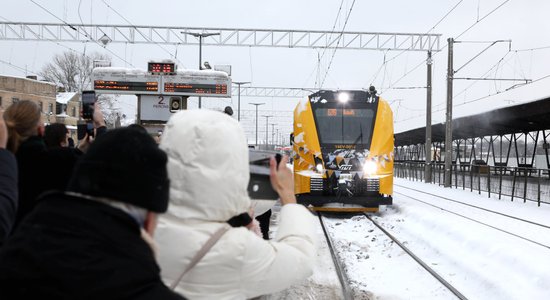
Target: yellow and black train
343	151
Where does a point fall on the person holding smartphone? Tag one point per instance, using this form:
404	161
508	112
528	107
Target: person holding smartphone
208	167
40	169
93	241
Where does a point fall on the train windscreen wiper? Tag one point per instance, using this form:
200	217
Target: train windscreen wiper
359	137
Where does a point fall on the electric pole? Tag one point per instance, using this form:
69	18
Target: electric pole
428	145
449	117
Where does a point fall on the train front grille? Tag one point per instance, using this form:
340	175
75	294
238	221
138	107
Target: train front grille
369	185
316	184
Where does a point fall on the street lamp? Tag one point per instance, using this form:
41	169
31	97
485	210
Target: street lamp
239	83
266	130
257	104
272	133
200	36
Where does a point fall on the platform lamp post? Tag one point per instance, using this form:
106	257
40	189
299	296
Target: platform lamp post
266	130
200	36
257	104
273	134
239	83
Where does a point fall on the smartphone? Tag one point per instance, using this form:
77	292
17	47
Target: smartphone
88	101
259	186
84	128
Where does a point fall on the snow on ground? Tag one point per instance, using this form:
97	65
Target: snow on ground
481	262
322	285
377	267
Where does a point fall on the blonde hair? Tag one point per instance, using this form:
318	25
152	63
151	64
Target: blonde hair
22	119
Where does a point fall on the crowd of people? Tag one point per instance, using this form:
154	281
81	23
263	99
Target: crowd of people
119	216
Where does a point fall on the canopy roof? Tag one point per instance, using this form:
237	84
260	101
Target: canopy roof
526	117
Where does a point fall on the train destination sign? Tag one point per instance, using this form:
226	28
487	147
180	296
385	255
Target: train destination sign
205	83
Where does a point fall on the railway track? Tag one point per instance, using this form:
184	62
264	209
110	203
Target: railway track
344	281
484	223
342	276
424	265
474	206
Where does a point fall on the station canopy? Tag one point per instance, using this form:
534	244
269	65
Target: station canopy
526	117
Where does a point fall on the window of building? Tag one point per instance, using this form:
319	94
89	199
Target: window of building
41	106
0	101
50	108
59	108
15	99
74	111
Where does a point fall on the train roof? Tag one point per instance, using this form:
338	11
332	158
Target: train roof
526	117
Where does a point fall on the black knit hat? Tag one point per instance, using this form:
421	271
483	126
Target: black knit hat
126	165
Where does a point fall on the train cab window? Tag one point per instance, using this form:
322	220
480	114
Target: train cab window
348	126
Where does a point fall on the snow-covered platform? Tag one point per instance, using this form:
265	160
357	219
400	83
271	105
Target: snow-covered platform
485	247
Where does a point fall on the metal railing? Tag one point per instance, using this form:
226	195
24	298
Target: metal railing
529	184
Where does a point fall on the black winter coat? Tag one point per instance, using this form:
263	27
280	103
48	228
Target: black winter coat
8	193
73	248
41	170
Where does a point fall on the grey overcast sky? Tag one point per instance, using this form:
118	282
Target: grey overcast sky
525	22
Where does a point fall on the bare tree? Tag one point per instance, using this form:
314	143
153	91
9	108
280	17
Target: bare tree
71	71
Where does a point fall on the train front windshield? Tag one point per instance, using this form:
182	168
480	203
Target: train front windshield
344	126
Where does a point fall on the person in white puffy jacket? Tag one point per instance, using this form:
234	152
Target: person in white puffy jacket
209	173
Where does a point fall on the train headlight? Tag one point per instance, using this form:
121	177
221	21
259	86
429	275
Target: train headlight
319	168
343	97
370	167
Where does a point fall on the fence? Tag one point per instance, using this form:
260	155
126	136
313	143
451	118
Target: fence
528	184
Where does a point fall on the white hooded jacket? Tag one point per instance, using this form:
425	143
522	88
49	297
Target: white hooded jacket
209	174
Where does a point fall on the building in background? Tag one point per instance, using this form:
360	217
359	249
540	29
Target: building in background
67	111
13	89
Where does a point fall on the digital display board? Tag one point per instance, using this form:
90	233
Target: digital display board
183	83
202	83
174	87
115	85
161	68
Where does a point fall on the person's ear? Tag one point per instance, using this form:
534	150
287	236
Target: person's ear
150	223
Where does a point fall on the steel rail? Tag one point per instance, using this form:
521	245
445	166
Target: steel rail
346	290
474	206
476	221
419	261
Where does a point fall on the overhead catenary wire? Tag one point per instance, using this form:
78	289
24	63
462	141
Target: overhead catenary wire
403	51
444	47
139	31
533	49
515	86
85	34
321	55
337	43
24	70
57	43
